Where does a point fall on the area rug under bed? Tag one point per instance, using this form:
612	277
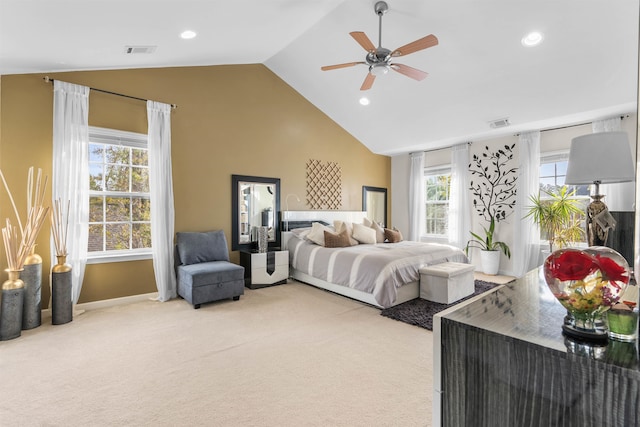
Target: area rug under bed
419	312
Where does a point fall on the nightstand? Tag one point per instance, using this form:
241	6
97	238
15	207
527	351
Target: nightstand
263	269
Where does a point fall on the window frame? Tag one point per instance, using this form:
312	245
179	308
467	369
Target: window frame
437	171
123	138
555	157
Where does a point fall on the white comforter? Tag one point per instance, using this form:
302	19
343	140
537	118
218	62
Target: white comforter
378	269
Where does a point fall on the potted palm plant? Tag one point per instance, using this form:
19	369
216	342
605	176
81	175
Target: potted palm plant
494	195
558	216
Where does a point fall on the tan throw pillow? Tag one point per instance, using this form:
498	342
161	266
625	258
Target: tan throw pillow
392	236
367	222
364	234
345	225
333	240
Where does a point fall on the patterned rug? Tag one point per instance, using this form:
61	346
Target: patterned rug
419	312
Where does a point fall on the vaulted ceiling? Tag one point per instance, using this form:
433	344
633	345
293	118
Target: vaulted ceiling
586	67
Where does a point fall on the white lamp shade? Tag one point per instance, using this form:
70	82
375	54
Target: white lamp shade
604	157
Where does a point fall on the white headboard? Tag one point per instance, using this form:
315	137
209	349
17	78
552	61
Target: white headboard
310	216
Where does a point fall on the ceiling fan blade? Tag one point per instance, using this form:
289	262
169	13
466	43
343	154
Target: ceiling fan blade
417	45
345	65
409	71
363	40
368	82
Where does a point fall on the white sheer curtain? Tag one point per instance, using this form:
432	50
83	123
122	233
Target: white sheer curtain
526	241
416	196
618	196
161	189
70	181
459	200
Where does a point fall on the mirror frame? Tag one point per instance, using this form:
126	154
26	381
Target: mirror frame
368	189
235	226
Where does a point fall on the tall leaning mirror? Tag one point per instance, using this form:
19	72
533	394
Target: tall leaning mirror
374	202
255	203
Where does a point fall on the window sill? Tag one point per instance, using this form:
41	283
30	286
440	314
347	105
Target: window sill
109	258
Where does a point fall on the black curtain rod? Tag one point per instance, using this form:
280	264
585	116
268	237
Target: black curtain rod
622	117
439	149
47	79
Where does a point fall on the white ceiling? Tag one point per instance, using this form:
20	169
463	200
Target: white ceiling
586	68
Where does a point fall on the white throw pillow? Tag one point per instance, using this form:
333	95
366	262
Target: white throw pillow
316	235
301	233
379	232
364	234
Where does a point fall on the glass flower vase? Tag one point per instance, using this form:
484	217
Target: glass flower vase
587	282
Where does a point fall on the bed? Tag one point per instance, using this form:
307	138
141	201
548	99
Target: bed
382	274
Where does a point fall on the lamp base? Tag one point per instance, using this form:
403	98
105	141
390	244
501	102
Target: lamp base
596	235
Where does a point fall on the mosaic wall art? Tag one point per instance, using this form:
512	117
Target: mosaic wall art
324	185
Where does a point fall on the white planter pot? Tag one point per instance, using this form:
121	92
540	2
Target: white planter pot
490	262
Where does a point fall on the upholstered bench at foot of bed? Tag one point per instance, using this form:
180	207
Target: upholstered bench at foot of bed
447	282
210	281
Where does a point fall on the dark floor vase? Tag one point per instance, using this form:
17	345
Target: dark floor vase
11	307
32	278
61	302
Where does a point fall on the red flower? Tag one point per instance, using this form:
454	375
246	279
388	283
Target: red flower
611	270
571	265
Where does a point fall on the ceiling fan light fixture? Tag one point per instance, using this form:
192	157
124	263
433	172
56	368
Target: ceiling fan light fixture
364	101
534	38
379	69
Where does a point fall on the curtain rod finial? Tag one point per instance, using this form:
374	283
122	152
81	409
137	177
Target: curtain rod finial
46	79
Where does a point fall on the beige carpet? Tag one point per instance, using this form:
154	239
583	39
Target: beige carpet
289	355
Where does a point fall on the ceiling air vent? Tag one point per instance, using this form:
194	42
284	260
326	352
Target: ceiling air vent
499	123
139	49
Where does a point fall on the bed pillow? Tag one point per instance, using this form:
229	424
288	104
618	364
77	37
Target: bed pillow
316	235
380	237
301	233
345	225
393	236
333	240
364	234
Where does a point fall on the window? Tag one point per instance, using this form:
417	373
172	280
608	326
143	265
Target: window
119	198
553	170
437	188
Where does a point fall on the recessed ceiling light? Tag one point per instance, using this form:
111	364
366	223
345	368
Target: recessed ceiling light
364	101
188	34
534	38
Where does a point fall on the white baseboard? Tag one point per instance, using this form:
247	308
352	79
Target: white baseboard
95	305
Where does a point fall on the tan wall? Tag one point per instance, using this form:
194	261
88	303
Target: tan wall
230	120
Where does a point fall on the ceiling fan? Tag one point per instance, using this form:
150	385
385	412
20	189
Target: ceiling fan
379	59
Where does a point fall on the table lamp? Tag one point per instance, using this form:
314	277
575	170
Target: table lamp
599	158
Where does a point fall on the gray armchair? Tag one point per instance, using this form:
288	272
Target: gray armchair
203	271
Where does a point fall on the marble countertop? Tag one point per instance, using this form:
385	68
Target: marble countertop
526	310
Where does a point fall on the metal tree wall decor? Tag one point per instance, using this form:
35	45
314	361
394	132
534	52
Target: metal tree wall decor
494	183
